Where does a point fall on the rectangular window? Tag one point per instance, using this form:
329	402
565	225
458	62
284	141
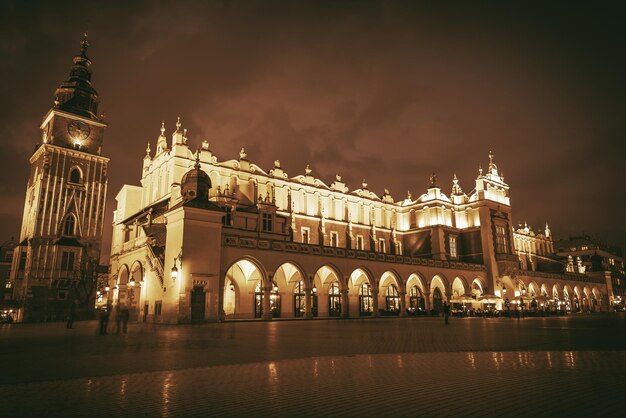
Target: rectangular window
157	308
453	253
359	242
381	245
67	261
334	239
267	222
22	265
501	246
305	234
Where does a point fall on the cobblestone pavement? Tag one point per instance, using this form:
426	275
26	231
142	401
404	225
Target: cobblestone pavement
386	367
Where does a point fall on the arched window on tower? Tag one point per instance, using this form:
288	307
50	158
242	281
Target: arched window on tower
75	176
69	226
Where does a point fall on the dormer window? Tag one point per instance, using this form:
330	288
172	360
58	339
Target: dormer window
75	176
69	225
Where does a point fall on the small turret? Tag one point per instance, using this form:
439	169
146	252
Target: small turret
161	141
195	184
147	160
178	137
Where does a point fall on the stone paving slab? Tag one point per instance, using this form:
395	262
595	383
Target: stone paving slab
473	384
570	366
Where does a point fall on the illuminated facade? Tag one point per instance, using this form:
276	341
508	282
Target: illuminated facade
206	240
585	253
65	200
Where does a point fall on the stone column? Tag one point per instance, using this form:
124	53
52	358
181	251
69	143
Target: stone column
375	297
345	309
308	304
267	310
402	294
427	302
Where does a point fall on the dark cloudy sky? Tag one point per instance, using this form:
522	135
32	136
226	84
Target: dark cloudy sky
386	91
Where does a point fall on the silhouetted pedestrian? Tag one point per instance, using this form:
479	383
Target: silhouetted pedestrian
71	315
125	314
118	318
446	312
104	321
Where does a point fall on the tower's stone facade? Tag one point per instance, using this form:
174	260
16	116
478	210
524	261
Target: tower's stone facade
59	249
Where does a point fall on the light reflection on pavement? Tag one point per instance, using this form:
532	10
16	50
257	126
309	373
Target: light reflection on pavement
393	367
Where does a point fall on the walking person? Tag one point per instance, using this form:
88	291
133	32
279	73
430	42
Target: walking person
125	314
118	318
446	312
71	315
104	321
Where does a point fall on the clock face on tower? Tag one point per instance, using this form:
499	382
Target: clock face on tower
78	130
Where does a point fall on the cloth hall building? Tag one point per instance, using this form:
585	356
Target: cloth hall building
207	240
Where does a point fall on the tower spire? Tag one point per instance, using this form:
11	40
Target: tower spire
84	44
76	95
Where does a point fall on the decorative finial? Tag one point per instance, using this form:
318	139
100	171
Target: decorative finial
205	145
307	170
178	124
433	180
162	128
84	44
338	177
197	165
409	196
148	149
493	169
386	191
364	184
242	154
480	169
276	163
456	189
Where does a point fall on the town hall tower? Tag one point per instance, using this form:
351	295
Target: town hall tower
54	264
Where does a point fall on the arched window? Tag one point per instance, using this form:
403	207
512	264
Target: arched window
416	301
334	300
437	300
299	299
258	300
75	175
366	306
69	225
274	301
392	300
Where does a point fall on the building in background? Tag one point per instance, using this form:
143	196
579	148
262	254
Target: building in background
598	259
206	240
54	264
8	307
